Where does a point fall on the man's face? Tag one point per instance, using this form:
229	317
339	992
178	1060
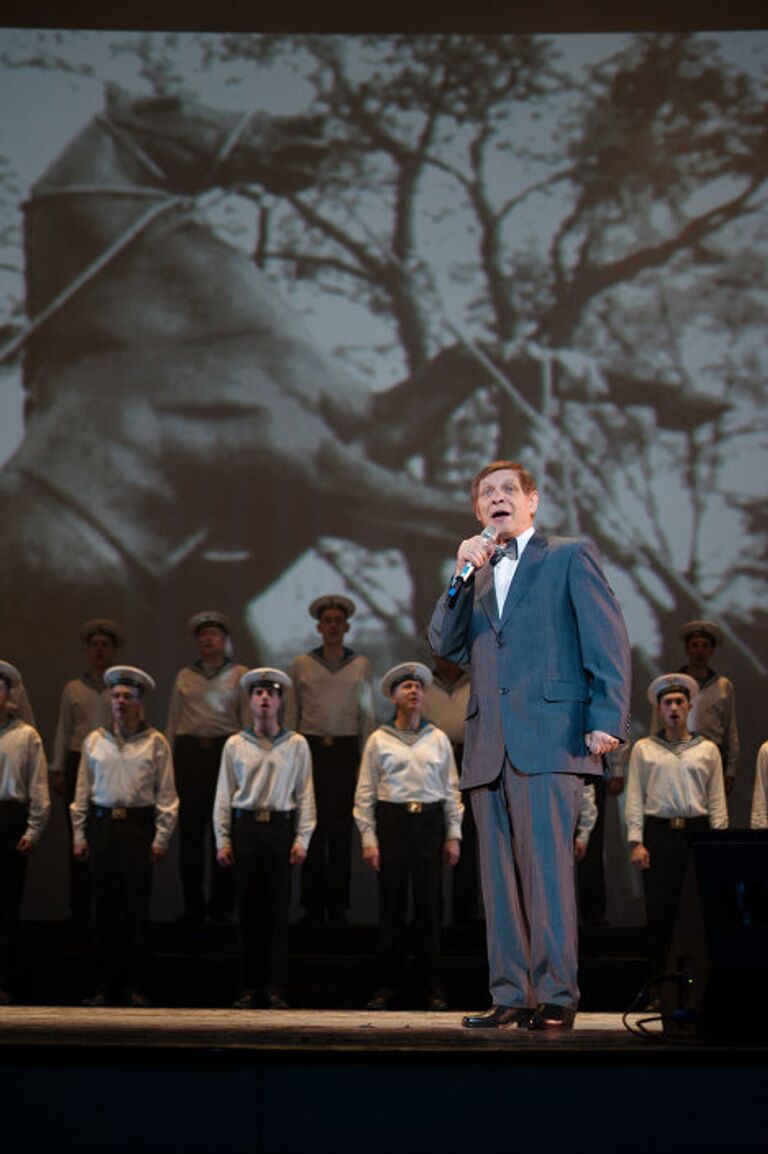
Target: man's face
502	503
101	651
265	703
699	649
674	709
211	642
126	704
408	695
332	624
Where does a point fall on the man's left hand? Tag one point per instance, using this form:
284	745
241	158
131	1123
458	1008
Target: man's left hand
24	845
298	853
157	853
599	743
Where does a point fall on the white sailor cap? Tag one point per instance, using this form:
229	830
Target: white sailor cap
265	677
103	625
198	621
129	675
406	671
672	683
10	674
331	601
709	629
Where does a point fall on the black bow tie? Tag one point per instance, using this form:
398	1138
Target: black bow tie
508	550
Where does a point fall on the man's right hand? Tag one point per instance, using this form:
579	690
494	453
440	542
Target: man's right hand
640	857
372	857
476	550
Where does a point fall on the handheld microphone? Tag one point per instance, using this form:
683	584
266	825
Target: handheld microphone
489	533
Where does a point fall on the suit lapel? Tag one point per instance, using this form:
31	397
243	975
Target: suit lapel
527	569
485	593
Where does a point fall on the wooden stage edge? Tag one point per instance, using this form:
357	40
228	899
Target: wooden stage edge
345	1031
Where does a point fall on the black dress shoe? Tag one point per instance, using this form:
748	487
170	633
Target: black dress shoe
435	1001
548	1016
276	1001
498	1016
136	999
97	999
245	1001
380	1000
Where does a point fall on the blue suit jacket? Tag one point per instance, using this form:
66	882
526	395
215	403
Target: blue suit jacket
554	666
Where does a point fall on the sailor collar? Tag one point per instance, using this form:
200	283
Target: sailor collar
408	736
267	742
677	746
209	674
332	666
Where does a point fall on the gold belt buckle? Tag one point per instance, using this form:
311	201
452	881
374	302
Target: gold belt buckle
119	813
326	741
261	815
677	823
414	807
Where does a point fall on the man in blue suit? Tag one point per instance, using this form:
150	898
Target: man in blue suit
549	659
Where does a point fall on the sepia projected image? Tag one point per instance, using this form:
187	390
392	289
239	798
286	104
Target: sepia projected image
268	302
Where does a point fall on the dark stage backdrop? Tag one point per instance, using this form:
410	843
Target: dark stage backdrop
268	301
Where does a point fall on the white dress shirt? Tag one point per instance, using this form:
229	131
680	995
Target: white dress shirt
133	772
23	774
759	815
207	703
401	766
256	773
505	568
674	779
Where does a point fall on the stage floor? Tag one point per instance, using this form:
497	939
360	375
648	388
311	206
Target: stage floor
322	1030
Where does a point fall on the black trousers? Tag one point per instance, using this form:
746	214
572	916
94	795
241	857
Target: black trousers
590	872
465	891
663	882
122	876
326	869
13	868
411	848
196	768
263	886
79	871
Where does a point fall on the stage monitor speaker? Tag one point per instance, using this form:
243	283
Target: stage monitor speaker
720	941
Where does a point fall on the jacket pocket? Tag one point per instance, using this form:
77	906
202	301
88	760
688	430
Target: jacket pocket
566	691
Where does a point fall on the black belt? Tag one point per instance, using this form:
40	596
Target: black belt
327	740
264	815
123	812
678	822
10	804
202	742
412	806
